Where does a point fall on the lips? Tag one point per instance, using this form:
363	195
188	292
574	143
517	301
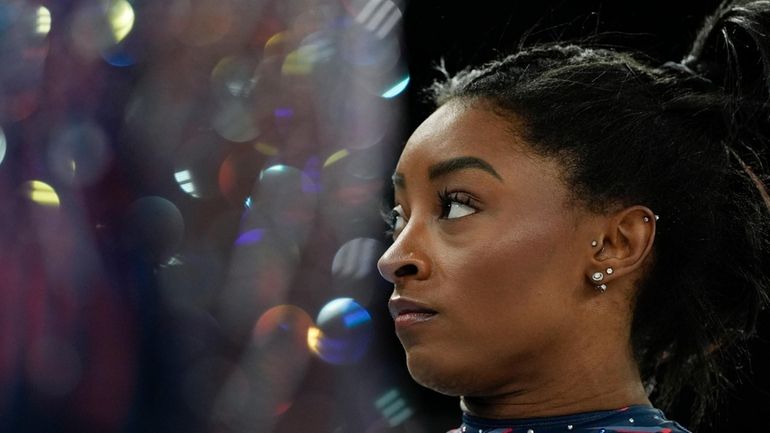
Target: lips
401	306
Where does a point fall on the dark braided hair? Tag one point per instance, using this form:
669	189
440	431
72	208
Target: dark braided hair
688	140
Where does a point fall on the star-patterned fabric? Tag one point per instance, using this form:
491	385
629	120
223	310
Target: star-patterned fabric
632	419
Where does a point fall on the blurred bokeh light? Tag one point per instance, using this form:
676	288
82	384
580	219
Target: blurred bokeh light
3	146
191	213
41	193
343	332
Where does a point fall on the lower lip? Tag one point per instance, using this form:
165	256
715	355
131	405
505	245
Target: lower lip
409	319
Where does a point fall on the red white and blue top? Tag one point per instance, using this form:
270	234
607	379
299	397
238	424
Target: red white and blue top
632	419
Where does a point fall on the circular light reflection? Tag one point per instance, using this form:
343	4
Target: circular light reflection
121	17
349	201
335	157
41	193
393	407
342	333
235	120
266	149
284	174
43	21
396	88
283	322
377	16
353	267
276	44
234	81
314	49
317	47
288	197
237	174
79	153
197	166
3	145
356	259
119	58
99	27
236	75
156	227
275	39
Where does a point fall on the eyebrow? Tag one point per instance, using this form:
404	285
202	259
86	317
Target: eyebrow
444	168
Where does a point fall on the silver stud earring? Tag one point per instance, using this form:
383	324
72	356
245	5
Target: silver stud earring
646	219
657	217
610	271
597	276
594	243
601	287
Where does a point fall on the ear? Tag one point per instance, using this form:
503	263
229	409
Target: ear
624	245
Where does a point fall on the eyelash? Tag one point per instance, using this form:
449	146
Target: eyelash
389	215
445	200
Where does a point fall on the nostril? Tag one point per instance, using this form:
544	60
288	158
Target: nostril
406	270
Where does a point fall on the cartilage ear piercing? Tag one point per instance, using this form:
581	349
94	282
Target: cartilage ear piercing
610	271
594	243
601	287
657	217
646	219
597	276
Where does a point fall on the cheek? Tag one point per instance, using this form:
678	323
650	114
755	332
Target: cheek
515	261
512	287
502	295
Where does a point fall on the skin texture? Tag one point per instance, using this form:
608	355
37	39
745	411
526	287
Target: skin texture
520	329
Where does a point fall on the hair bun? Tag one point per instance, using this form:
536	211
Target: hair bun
732	49
684	70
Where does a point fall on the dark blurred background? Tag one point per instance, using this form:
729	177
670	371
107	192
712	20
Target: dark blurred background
190	205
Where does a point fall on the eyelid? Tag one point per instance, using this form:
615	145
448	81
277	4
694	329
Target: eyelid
465	198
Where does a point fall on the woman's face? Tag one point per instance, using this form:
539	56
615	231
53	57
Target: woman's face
483	237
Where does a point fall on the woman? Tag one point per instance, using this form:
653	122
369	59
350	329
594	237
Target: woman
580	232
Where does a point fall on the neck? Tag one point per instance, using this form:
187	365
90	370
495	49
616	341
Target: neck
583	384
511	407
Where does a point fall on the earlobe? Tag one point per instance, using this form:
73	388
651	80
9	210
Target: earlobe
625	245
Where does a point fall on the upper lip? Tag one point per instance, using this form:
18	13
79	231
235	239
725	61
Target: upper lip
400	305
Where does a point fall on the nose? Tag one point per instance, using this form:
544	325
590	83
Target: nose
403	260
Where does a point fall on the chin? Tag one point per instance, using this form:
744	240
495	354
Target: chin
438	375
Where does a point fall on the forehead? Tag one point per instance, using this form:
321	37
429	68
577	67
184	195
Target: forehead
460	129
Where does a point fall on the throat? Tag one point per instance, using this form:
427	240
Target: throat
531	404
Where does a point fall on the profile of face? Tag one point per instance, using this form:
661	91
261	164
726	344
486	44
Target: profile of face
485	237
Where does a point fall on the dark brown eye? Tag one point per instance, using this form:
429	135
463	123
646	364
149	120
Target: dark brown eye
455	205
